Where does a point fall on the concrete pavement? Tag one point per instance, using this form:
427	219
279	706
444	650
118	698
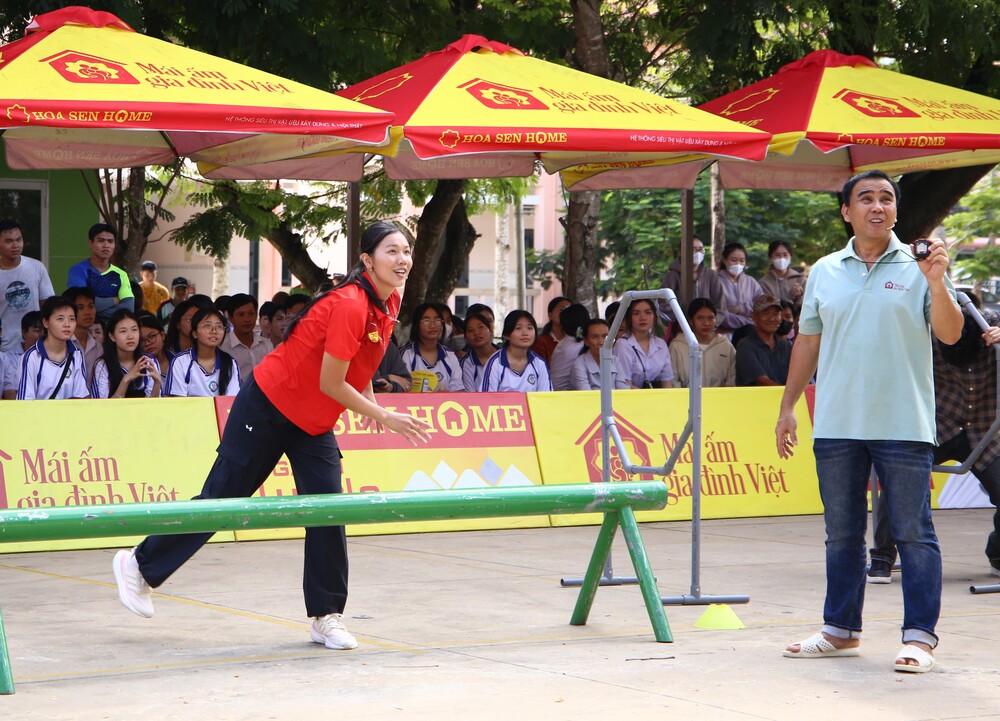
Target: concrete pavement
475	626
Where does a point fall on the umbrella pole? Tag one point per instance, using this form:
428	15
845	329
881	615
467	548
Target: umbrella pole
353	223
687	245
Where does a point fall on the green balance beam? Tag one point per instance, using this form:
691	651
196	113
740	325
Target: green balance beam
241	514
617	501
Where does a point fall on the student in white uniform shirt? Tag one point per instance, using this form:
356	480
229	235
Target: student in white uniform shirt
587	366
52	369
425	357
31	332
479	348
572	318
515	367
124	371
204	369
643	355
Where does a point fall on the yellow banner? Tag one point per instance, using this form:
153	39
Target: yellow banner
741	473
62	453
87	452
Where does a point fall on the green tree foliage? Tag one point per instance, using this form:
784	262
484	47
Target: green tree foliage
693	49
977	216
640	230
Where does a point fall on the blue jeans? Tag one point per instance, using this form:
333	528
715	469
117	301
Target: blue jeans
904	468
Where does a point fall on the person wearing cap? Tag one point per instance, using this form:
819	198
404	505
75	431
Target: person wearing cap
179	289
111	285
762	358
153	294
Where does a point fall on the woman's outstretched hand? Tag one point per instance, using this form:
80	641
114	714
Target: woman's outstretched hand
410	427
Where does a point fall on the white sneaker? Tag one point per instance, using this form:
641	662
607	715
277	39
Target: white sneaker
133	591
330	631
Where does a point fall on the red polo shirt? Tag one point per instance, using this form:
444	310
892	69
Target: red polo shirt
344	324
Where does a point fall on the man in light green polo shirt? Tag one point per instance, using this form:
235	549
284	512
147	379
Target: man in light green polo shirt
867	318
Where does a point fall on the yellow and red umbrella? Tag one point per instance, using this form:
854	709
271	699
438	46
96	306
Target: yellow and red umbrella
833	115
480	108
84	90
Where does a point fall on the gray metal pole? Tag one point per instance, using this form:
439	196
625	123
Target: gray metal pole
692	430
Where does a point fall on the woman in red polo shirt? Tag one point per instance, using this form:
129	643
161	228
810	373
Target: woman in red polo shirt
289	405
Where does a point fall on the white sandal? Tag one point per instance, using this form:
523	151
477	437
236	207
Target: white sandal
817	646
925	661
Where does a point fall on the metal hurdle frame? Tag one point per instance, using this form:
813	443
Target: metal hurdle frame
692	430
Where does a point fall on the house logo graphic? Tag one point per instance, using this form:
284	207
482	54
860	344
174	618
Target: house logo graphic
875	106
90	69
502	97
636	443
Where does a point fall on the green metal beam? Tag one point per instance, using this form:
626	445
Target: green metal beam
239	514
615	500
6	677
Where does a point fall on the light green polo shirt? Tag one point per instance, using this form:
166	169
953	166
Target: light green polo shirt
875	378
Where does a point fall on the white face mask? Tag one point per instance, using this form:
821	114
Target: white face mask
735	269
698	257
781	263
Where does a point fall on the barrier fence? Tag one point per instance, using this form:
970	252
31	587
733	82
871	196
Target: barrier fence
90	452
617	502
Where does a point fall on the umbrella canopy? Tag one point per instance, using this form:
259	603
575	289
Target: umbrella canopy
84	90
480	108
833	115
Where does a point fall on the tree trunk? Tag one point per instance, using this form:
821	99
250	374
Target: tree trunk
220	276
927	198
501	281
132	243
430	234
289	244
580	271
460	237
590	52
580	266
718	215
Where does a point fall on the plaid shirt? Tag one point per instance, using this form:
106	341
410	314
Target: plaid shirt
967	400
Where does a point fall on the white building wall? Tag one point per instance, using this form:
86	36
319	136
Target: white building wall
542	210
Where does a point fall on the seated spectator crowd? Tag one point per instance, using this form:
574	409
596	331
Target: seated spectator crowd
107	337
194	346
